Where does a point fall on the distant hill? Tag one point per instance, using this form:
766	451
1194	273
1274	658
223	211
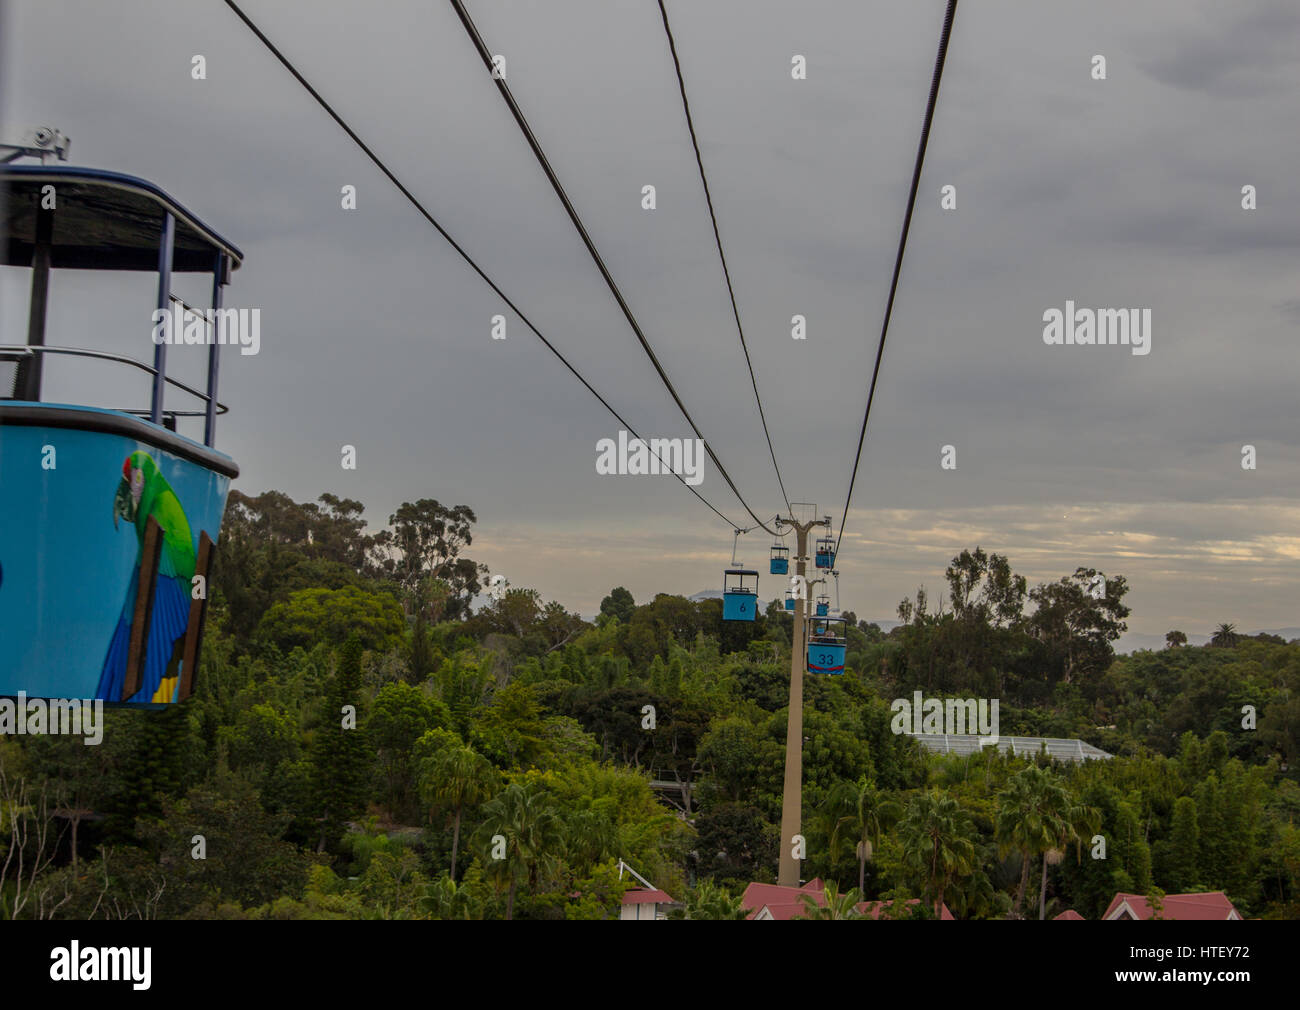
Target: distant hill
1134	641
1286	633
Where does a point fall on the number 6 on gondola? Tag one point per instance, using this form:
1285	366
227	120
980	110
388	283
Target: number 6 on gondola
739	601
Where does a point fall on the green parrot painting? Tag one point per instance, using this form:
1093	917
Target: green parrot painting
143	493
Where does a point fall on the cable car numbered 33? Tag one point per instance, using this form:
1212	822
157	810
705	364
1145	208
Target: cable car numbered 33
739	601
826	645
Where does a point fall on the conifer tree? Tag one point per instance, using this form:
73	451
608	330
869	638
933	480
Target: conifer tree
341	753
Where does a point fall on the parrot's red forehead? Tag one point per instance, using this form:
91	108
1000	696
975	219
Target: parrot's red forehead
126	468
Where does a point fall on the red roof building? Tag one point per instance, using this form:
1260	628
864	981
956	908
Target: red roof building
1069	913
646	903
780	902
1211	906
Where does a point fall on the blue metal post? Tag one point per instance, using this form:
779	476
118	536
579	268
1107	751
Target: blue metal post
218	285
164	303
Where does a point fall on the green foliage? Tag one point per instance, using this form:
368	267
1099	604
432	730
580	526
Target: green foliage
341	758
519	837
833	905
939	843
511	730
452	779
1180	852
261	738
1035	818
424	541
400	716
709	901
310	615
158	760
736	844
244	858
860	813
618	604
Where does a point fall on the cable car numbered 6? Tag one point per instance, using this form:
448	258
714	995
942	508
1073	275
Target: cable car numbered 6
739	600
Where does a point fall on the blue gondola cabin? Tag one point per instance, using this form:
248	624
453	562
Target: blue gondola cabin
826	646
825	557
101	560
780	563
739	599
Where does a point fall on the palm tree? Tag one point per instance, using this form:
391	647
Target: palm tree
708	901
455	778
1225	636
1174	639
590	837
444	900
938	842
974	896
1035	818
865	813
1077	822
521	832
837	906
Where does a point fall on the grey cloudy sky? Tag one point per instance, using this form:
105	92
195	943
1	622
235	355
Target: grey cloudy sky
1122	193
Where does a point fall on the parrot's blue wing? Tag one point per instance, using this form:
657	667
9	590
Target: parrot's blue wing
171	614
113	674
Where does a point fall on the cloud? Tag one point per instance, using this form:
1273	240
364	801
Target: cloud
1226	52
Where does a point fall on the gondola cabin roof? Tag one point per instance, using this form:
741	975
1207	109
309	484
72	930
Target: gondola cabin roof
739	571
102	221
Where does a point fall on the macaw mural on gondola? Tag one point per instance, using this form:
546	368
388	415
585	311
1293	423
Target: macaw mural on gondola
143	494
